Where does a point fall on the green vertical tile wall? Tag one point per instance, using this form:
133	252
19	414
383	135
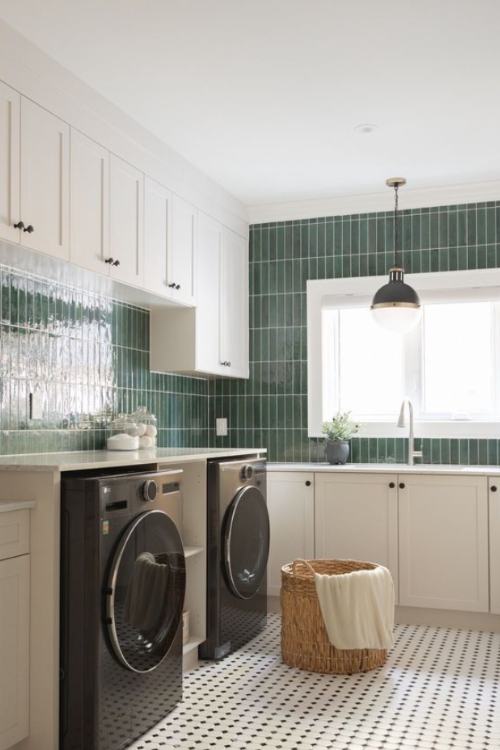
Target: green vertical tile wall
87	357
270	409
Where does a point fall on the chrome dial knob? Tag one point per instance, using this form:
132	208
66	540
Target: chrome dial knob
246	472
149	490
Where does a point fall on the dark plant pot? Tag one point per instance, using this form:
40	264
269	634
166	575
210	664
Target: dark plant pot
337	451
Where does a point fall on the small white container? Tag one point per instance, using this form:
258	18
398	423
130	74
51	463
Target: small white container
123	442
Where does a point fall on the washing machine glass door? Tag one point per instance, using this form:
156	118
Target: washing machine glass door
246	542
146	591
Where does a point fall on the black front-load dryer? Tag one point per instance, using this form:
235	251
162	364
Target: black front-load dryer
237	554
122	594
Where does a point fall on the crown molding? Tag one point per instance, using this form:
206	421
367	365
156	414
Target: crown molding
474	192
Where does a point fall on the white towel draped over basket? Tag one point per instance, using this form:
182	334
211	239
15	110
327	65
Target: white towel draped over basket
357	608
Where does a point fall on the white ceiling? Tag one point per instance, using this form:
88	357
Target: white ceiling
264	95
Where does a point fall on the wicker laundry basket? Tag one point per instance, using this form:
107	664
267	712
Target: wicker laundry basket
304	640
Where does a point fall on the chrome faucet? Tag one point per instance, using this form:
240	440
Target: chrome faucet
412	453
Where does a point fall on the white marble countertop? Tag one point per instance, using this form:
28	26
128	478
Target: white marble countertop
9	505
83	460
389	468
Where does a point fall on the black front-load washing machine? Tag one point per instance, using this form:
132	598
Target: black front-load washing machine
237	554
122	593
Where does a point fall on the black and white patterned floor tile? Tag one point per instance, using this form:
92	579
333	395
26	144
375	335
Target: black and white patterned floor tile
438	690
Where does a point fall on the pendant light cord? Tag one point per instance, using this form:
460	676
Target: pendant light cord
397	252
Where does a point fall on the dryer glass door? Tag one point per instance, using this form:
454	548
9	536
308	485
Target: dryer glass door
246	542
146	591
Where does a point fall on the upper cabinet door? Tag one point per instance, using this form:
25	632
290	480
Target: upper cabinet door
207	281
157	243
180	258
126	221
234	305
44	180
10	103
89	211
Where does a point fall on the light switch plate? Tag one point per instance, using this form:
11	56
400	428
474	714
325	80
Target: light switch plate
221	427
36	406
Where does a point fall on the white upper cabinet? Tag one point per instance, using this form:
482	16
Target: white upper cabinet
290	502
10	104
207	281
357	518
233	301
212	338
89	205
157	239
180	259
44	181
126	222
443	542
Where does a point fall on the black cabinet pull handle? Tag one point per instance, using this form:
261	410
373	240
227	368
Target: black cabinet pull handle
308	483
116	263
30	228
19	225
493	488
391	485
402	485
110	261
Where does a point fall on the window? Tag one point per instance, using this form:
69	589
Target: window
448	365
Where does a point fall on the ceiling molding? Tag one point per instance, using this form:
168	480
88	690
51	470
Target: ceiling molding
381	201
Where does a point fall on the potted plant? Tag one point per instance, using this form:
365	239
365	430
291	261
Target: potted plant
338	432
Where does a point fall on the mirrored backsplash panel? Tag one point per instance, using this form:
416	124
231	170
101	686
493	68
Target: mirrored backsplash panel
270	409
85	358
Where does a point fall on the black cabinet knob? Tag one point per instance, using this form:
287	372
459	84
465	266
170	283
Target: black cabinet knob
177	286
116	263
392	485
172	285
110	261
30	228
402	485
19	225
308	483
228	364
493	488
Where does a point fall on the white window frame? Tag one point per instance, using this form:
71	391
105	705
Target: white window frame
479	285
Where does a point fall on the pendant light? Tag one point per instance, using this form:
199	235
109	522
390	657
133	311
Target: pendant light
396	305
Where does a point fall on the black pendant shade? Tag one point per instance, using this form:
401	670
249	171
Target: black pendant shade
396	293
396	305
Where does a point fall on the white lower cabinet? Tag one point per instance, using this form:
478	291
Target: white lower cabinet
356	518
14	650
443	542
494	502
290	500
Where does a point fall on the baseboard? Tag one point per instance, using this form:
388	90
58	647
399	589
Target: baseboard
443	618
447	618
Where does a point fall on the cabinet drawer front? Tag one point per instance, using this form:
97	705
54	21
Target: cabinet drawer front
14	533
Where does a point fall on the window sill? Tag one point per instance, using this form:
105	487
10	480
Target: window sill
427	429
